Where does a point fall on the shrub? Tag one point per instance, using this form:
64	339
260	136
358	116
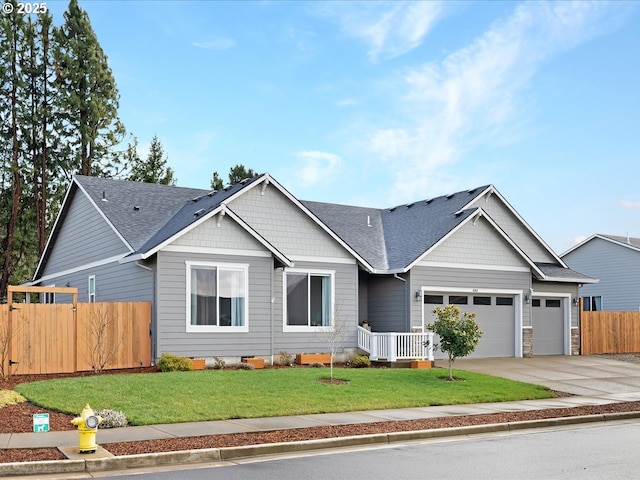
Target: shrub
173	363
246	366
218	363
316	365
112	419
284	359
360	361
9	397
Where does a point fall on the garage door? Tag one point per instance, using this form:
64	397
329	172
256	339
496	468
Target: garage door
548	326
495	314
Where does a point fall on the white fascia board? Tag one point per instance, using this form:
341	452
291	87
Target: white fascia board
473	218
493	190
80	268
578	245
188	228
53	230
617	242
569	280
131	249
308	212
263	241
63	212
192	225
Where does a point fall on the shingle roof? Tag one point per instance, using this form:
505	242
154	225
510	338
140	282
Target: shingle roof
147	215
554	271
136	210
398	235
193	209
634	242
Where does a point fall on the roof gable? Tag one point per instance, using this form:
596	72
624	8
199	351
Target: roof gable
626	242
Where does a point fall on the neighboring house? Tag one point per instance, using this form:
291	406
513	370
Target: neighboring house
615	261
251	270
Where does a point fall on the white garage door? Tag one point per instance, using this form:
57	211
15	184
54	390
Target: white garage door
548	325
495	314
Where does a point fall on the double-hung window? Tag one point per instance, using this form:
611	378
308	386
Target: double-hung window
308	302
217	297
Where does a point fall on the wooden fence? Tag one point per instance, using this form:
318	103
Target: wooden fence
63	338
609	332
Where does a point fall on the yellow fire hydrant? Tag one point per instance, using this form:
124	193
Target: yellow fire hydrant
87	424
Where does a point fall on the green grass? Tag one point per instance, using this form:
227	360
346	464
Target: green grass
173	397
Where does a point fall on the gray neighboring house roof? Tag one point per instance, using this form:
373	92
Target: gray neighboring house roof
629	242
398	235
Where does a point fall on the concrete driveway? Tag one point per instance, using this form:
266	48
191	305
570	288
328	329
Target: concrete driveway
579	375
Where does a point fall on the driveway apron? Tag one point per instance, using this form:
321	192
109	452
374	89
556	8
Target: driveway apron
579	375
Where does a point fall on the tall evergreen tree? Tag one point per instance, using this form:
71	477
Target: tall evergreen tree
89	97
12	34
236	175
154	169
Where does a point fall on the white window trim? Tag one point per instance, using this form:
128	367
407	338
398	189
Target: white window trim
216	328
48	297
91	296
308	328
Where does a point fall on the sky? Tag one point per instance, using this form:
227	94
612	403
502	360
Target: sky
384	103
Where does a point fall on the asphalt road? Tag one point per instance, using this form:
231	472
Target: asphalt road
592	451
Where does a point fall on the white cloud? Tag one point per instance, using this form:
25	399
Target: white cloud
630	205
316	167
473	96
389	29
217	43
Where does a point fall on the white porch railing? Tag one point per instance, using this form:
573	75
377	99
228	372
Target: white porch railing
393	346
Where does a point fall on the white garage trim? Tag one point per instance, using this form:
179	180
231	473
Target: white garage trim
518	296
566	330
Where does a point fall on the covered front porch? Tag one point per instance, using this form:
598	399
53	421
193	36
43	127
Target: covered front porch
394	346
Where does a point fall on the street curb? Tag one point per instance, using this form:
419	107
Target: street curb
233	453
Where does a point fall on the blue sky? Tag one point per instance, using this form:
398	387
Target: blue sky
384	103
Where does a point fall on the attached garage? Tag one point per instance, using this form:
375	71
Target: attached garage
495	314
548	321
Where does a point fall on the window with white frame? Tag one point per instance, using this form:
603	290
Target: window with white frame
48	297
216	297
92	289
592	303
308	299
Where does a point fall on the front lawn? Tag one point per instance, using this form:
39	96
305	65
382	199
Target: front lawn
149	399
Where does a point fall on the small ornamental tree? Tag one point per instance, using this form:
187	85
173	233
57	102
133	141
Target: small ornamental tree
459	335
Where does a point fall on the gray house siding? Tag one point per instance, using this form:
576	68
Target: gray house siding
172	336
284	225
219	233
85	237
346	311
618	269
363	296
114	283
265	320
388	297
477	243
514	228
